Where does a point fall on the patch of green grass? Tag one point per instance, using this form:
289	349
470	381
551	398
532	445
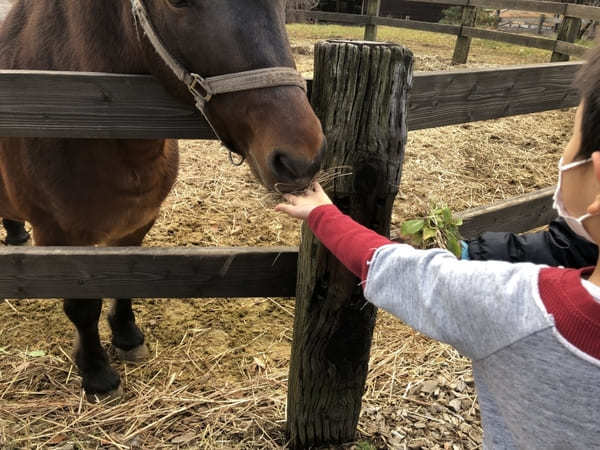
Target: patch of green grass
428	43
585	42
364	445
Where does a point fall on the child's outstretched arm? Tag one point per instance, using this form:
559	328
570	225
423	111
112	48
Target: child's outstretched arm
349	241
478	307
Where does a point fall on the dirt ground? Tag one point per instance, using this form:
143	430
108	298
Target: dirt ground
218	371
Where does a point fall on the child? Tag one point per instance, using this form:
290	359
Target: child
533	332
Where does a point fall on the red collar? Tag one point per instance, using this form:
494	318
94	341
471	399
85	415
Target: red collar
576	313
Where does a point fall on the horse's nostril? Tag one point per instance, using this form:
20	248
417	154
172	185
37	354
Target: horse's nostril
289	169
283	166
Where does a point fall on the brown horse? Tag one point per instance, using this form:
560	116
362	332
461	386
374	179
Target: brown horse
108	192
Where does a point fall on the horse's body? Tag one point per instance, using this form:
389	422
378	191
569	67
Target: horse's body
108	192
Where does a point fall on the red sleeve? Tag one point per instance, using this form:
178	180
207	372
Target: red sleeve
349	241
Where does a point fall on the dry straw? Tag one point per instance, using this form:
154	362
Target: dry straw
217	377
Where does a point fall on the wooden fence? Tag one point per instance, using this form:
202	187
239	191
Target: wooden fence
562	47
85	105
55	104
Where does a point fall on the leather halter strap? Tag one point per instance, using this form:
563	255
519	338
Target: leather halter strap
203	89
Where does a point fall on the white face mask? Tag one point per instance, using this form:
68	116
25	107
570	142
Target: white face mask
575	223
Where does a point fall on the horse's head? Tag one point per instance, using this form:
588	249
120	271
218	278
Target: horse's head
275	128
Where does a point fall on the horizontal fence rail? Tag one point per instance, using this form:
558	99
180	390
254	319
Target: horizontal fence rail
91	105
448	98
518	214
49	272
57	272
564	9
510	38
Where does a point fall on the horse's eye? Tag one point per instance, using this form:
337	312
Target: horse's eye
179	3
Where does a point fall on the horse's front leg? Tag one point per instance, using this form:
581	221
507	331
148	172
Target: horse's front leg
127	337
98	378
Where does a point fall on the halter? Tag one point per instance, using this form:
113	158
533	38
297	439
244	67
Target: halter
204	89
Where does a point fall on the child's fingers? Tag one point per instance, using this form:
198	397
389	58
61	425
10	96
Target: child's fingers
284	208
290	198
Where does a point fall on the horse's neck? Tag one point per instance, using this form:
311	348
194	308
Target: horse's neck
81	35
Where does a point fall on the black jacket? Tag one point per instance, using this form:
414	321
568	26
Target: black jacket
558	246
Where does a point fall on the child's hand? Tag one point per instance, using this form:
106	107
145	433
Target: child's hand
300	206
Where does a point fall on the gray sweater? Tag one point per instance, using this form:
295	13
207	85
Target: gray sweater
536	390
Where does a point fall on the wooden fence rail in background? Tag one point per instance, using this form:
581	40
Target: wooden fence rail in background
85	105
548	7
51	104
562	47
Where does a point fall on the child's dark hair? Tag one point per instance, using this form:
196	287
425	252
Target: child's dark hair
588	83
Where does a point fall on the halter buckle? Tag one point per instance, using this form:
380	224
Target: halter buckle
199	88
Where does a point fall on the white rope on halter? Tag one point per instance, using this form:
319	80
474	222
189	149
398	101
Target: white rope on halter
204	89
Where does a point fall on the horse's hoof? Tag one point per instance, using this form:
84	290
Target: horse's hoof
23	241
135	355
113	396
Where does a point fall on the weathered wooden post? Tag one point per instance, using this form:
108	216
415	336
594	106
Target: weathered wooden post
540	27
463	43
360	94
373	8
568	32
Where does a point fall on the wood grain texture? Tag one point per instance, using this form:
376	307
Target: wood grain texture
463	41
516	215
360	95
445	98
373	8
567	32
55	104
92	105
47	272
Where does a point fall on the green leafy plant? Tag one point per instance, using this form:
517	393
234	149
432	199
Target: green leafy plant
364	445
438	229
